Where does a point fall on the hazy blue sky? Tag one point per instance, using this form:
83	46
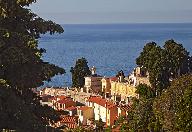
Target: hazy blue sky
114	11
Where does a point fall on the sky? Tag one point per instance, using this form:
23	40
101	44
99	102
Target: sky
114	11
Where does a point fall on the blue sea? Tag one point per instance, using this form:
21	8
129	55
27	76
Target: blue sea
108	47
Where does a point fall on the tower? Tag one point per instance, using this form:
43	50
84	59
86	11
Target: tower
93	70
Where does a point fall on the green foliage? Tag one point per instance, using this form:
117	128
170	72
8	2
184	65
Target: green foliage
174	106
171	108
108	129
124	127
179	58
99	125
80	71
165	63
120	73
21	67
145	91
141	115
21	116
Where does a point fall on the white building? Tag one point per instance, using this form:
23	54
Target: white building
93	82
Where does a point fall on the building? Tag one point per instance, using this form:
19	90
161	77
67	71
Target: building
121	91
103	109
93	82
106	85
45	100
52	91
125	90
123	110
72	110
63	104
85	113
139	76
54	100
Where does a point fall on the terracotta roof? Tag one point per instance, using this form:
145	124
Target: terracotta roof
113	78
71	108
84	108
103	102
69	119
61	97
65	101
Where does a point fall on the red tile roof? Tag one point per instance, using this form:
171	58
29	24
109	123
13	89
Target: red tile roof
84	108
61	97
69	119
71	108
103	102
113	78
65	101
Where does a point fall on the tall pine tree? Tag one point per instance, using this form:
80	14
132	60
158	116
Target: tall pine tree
21	67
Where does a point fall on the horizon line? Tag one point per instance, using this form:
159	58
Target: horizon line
125	23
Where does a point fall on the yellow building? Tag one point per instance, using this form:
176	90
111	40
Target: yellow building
106	84
125	90
121	91
140	76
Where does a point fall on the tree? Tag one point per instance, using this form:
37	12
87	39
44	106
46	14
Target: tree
170	109
21	67
120	73
145	91
80	71
164	64
99	125
141	116
179	58
174	106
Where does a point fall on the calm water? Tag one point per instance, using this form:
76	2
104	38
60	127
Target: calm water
109	47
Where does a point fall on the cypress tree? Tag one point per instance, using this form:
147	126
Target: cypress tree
80	71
